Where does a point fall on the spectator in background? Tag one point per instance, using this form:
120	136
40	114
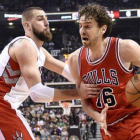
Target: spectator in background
64	132
55	132
93	128
51	126
83	131
44	133
40	122
88	128
33	122
60	127
60	122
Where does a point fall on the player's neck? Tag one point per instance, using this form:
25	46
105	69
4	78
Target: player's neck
38	42
98	50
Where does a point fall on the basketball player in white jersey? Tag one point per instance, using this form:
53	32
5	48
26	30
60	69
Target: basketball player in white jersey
20	76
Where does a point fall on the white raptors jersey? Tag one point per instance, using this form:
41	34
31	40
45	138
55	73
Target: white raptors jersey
13	87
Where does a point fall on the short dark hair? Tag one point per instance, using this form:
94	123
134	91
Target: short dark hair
27	13
99	13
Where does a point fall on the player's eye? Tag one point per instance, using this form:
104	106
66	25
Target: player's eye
87	26
80	26
39	19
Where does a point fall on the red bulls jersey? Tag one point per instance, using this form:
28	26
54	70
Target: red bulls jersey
111	76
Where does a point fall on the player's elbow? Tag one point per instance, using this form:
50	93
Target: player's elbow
39	98
41	94
34	97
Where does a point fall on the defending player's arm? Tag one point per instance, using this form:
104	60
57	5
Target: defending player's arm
27	61
57	66
61	68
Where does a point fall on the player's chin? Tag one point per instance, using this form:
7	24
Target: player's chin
48	36
46	33
86	45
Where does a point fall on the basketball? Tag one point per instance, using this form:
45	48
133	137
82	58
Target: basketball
133	90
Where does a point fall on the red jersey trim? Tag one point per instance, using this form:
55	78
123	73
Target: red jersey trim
119	60
102	58
110	124
9	77
9	49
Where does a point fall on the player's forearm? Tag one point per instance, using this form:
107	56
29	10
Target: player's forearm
65	94
44	94
93	114
89	111
66	73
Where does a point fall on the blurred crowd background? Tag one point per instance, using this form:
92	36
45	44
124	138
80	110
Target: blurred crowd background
64	5
51	124
47	120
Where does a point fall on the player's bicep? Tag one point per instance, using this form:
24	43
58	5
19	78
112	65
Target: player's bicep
131	51
136	55
26	56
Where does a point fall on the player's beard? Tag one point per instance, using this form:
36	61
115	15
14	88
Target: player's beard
92	43
43	36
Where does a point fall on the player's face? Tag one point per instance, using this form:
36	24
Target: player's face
89	31
40	26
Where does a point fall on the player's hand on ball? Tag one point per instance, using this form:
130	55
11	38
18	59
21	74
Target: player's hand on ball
88	90
102	122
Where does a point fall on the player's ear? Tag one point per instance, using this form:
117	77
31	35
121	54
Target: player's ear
103	29
27	25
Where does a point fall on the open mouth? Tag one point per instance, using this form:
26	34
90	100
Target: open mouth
84	38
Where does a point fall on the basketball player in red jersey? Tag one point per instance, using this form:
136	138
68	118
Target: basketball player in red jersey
106	62
20	77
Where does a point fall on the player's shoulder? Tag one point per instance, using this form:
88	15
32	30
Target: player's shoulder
130	48
75	54
23	44
128	45
23	41
124	43
23	48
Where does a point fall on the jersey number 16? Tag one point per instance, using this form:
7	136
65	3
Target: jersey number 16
106	97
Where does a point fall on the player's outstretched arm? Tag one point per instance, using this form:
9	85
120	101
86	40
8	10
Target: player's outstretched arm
57	66
83	92
39	93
